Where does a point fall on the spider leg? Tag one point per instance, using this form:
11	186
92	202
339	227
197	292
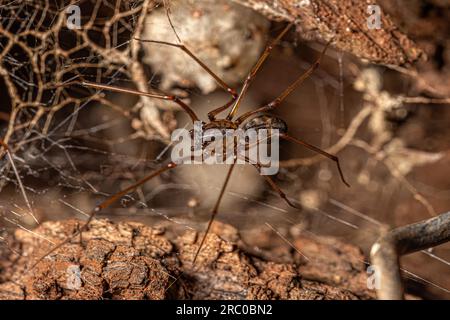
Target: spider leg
162	96
212	114
386	251
105	204
276	102
222	83
276	188
287	137
255	69
214	211
269	180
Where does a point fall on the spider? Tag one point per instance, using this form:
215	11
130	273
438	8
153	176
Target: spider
257	119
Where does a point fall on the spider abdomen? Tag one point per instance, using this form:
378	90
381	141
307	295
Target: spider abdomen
266	121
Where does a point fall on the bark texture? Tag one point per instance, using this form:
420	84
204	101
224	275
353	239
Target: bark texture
129	260
344	23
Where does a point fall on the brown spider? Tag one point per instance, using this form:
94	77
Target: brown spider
256	119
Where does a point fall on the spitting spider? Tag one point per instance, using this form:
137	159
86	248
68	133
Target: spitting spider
255	119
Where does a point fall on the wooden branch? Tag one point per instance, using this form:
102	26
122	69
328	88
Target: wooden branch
386	252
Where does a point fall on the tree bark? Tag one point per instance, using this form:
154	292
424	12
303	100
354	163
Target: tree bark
344	23
129	260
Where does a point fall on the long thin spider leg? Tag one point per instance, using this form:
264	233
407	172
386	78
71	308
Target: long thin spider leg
106	203
214	211
222	83
255	69
249	161
387	250
212	114
276	188
162	96
168	11
318	150
276	102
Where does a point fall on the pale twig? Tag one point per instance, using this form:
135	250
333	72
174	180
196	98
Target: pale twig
385	253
